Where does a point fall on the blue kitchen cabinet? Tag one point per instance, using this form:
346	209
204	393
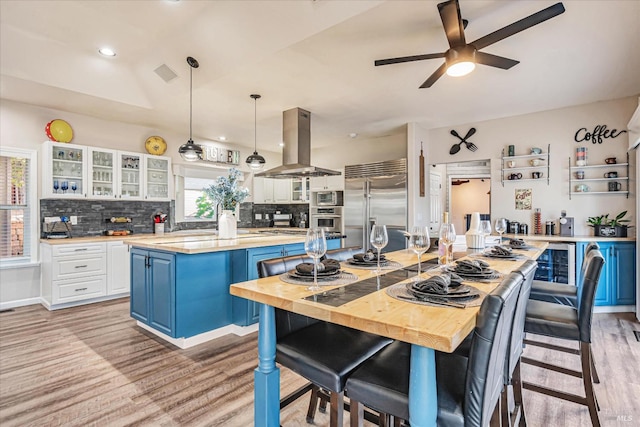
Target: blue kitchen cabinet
617	280
244	267
180	295
333	244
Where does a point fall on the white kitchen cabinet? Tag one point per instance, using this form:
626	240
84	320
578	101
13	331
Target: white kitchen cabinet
300	190
322	183
64	170
157	179
72	273
118	268
76	171
268	190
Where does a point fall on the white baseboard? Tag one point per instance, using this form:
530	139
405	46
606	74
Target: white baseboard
615	309
185	343
50	307
19	303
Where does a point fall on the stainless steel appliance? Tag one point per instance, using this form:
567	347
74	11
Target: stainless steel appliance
329	218
376	193
328	198
557	264
281	220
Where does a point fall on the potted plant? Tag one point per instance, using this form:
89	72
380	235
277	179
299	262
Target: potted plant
609	227
227	194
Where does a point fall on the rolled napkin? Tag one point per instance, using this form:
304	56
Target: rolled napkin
517	243
439	285
326	265
369	255
471	266
501	250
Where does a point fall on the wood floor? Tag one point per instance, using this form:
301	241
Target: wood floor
92	365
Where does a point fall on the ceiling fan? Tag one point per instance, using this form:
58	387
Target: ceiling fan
461	57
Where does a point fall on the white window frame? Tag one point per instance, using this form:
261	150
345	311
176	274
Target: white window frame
181	171
31	229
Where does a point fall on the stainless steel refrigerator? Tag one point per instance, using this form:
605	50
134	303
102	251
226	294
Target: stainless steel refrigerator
376	193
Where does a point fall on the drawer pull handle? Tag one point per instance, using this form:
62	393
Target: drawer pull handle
81	249
81	266
81	289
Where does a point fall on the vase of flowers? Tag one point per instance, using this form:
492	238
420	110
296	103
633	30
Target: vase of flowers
226	193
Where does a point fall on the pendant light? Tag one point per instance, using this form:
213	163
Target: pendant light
190	151
255	161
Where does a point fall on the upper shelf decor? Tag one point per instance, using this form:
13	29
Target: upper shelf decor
59	131
155	145
470	145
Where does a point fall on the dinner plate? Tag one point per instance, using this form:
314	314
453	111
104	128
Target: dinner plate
492	255
457	290
485	273
296	273
302	278
455	297
368	263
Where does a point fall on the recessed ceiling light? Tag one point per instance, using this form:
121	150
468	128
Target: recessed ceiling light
353	135
105	51
222	138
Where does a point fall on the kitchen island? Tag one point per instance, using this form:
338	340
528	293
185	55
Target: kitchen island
180	283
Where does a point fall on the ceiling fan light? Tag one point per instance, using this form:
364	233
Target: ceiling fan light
190	151
460	68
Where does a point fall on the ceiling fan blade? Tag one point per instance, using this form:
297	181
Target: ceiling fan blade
518	26
408	59
452	22
435	76
495	60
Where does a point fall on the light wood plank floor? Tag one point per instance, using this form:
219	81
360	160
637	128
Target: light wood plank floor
92	365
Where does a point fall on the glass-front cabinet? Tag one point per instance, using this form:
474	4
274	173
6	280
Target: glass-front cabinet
157	179
300	190
102	173
130	167
64	170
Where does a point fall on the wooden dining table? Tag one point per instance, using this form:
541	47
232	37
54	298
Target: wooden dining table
427	328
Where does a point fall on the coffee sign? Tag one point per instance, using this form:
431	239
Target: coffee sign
598	133
220	155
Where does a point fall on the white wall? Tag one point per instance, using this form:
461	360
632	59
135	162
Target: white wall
556	128
468	198
360	150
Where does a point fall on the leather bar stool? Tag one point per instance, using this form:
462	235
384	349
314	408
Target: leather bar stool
468	388
571	324
322	352
561	293
512	376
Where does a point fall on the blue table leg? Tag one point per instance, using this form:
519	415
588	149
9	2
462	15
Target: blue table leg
266	377
423	392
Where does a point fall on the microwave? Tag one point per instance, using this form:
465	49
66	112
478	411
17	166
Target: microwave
328	198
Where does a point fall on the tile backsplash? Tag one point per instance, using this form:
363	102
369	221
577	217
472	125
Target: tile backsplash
92	215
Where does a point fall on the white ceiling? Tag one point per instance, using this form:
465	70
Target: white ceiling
316	55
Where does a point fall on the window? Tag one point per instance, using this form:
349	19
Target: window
18	207
190	180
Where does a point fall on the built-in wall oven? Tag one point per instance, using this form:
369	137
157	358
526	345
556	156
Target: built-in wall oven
557	264
329	218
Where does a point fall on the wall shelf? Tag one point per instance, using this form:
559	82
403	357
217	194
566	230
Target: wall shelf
544	159
622	180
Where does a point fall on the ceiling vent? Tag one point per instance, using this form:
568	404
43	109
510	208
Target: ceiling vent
165	73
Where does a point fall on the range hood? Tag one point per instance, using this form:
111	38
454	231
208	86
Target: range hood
296	154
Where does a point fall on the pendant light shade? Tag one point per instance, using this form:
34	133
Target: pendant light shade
255	161
190	151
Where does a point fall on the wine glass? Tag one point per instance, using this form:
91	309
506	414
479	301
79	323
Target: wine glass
379	239
485	229
501	227
56	185
447	237
315	245
64	186
74	186
419	243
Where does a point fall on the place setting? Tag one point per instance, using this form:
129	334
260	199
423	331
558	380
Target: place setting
445	289
475	270
500	252
515	243
317	273
371	260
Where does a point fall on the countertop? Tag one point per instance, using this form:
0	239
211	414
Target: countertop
551	239
194	241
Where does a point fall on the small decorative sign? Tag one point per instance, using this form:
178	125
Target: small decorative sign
523	199
598	133
214	154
